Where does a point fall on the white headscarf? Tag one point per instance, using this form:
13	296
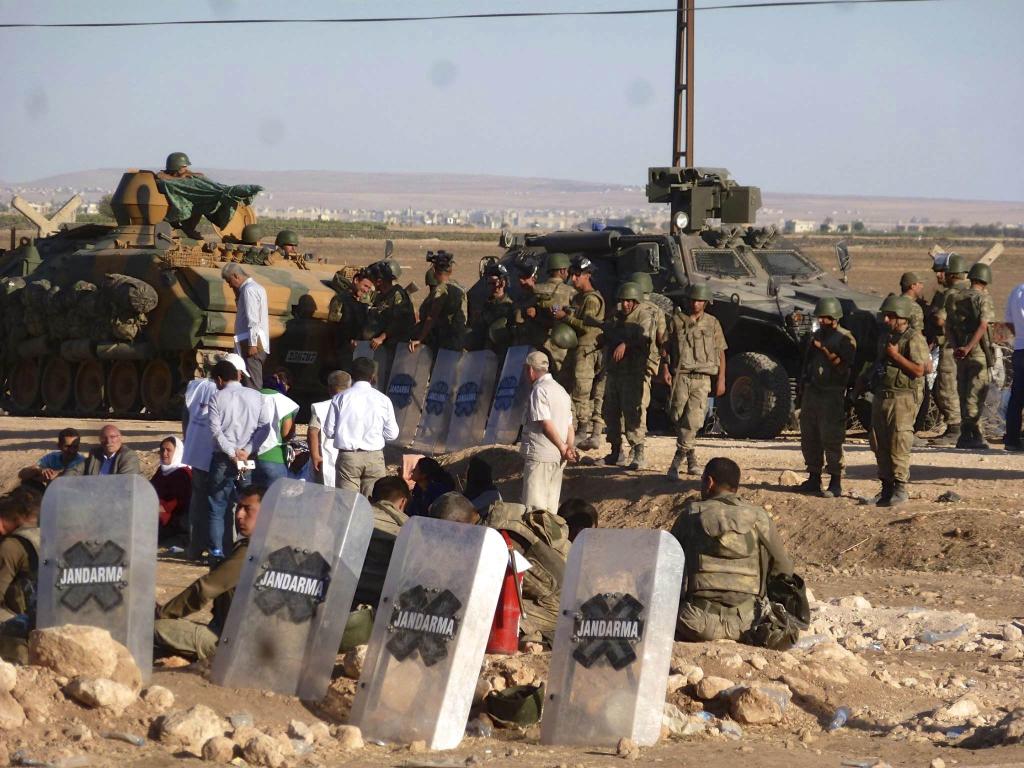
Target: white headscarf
179	450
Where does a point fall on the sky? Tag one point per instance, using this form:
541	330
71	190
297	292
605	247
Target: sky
916	99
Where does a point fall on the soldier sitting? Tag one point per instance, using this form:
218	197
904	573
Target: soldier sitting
174	634
55	463
19	570
541	537
177	166
732	549
288	242
389	499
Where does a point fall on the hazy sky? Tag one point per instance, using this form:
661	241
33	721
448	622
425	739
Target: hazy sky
920	99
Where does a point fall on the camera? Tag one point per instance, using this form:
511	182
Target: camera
441	259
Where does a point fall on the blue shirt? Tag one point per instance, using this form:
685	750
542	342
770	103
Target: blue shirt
107	468
54	460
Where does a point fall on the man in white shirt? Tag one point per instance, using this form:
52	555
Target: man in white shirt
252	321
1015	319
322	453
548	440
359	422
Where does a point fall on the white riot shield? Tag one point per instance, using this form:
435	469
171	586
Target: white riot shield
379	355
295	591
432	432
510	399
98	568
613	642
407	389
432	626
474	388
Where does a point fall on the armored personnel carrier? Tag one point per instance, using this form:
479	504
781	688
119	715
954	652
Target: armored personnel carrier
115	319
764	288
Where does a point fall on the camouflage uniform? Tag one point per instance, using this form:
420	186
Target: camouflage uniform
535	331
348	315
387	522
945	392
491	311
658	321
449	330
585	359
19	578
392	313
966	308
823	400
628	380
731	549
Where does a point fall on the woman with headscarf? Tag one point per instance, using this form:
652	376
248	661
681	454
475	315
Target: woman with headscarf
173	485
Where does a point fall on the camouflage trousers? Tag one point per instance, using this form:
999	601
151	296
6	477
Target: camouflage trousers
597	412
945	393
687	407
556	356
823	429
584	363
625	411
701	620
540	616
892	433
185	638
972	382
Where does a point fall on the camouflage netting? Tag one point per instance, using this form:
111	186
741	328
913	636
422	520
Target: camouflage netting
217	202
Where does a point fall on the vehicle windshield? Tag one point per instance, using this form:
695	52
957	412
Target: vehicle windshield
786	263
720	263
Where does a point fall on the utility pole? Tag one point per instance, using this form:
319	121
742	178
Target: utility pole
682	131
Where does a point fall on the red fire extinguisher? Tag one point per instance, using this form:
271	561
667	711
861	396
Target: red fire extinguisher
505	628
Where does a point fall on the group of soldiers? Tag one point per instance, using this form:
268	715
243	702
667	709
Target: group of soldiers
953	327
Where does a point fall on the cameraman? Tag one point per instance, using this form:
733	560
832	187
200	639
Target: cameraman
443	321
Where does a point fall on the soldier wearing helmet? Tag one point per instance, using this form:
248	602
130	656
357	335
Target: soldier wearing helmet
947	398
347	315
288	242
251	234
969	311
177	167
826	368
535	316
626	339
901	360
697	352
443	313
391	318
489	328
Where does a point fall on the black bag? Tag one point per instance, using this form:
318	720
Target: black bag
781	615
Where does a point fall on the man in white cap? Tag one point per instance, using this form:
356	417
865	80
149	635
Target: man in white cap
548	441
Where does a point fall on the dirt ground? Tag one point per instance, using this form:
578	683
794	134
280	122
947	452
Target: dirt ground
926	566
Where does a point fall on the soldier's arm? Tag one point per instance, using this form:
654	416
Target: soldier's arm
12	560
589	312
205	589
987	315
915	362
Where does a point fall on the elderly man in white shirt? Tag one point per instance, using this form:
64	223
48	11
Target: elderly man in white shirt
322	453
359	422
252	321
1015	406
548	440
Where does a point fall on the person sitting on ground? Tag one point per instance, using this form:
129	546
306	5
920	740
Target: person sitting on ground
19	570
55	463
390	498
480	488
578	515
111	457
172	482
539	536
173	634
431	481
732	549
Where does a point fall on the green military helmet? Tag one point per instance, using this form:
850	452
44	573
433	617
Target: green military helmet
698	292
395	267
829	306
431	278
557	261
286	237
251	234
498	332
956	264
176	161
629	292
643	280
981	273
563	336
900	306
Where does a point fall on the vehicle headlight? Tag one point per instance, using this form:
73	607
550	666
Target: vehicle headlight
681	220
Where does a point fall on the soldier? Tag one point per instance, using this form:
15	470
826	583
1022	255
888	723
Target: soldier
584	316
698	345
969	312
347	315
535	314
912	287
19	570
177	167
443	318
826	373
902	356
627	339
659	320
954	269
389	498
489	329
391	317
731	549
288	242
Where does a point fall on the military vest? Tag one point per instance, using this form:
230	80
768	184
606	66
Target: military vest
723	549
967	310
587	333
542	538
21	594
628	329
893	377
818	371
696	343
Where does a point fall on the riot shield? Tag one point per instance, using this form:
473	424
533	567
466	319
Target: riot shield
98	567
432	432
428	640
407	389
510	399
474	388
380	355
295	591
613	642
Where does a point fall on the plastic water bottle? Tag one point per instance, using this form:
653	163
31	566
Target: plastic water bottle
931	637
839	719
479	729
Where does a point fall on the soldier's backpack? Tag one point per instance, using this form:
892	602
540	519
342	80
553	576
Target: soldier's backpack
780	615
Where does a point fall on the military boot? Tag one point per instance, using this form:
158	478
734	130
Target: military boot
949	437
673	468
811	485
592	441
881	499
692	467
636	458
614	449
623	458
835	488
971	439
898	496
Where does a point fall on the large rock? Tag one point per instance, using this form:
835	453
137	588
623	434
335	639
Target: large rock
11	714
352	662
79	651
191	728
758	705
158	697
709	687
959	711
100	693
219	749
337	702
264	750
349	737
8	677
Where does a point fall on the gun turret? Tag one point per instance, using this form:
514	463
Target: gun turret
699	194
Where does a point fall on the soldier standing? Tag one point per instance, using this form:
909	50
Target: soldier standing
443	320
659	323
969	312
391	317
698	345
826	374
627	340
946	395
535	314
347	315
902	355
584	316
490	327
288	242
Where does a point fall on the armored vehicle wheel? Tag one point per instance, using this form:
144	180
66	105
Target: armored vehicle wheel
89	387
123	386
157	386
757	400
25	383
57	385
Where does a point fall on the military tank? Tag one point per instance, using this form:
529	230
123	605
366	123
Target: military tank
115	319
764	288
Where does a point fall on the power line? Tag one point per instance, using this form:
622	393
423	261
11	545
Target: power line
448	17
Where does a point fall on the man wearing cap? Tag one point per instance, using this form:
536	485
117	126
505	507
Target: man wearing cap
548	440
252	321
968	315
954	274
697	349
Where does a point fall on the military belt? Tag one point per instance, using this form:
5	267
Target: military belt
888	393
710	606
